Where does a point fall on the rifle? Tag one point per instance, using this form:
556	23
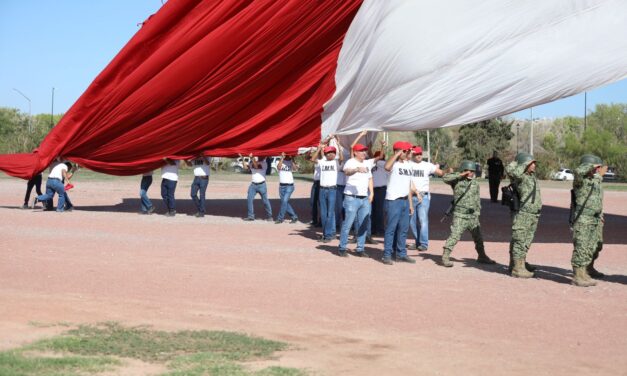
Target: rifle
451	207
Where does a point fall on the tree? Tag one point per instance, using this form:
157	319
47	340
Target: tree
479	140
440	141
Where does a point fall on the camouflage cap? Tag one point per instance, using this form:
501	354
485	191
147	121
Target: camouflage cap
467	165
524	158
590	159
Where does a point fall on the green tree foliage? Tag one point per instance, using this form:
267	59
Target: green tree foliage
20	133
440	143
479	140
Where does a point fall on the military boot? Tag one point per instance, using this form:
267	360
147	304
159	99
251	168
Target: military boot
593	273
580	278
446	258
483	258
519	270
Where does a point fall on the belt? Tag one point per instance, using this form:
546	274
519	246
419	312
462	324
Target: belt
424	193
286	184
330	187
401	198
263	182
54	179
381	187
202	177
346	194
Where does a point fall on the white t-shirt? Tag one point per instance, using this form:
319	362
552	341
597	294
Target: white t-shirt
379	175
341	176
171	172
57	171
420	175
316	172
201	168
328	172
259	174
357	183
285	173
399	181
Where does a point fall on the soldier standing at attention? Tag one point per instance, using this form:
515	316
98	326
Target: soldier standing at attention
466	210
588	220
521	172
495	174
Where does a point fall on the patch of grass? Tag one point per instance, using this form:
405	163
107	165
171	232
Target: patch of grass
621	187
94	348
14	363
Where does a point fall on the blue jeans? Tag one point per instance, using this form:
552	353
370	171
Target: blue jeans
398	223
54	186
359	208
285	192
327	212
314	199
168	187
340	214
378	205
262	189
369	224
199	185
421	215
143	193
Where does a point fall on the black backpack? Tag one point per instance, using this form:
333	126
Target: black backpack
510	198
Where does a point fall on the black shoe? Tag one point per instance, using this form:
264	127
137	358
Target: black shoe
406	259
150	210
248	219
411	246
278	221
370	240
342	253
171	213
387	261
25	206
294	220
362	254
199	215
326	240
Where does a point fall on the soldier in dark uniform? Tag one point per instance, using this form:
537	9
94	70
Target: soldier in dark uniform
495	174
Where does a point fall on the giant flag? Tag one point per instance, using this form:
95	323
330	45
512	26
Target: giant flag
267	76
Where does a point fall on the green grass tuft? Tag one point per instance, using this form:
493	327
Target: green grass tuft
16	363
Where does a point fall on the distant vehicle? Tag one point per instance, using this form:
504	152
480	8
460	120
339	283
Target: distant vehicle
563	174
238	165
610	175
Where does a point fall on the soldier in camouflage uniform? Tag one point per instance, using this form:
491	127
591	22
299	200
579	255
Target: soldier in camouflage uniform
588	220
467	207
521	173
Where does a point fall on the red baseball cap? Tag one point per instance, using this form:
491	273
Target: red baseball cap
329	149
401	145
359	147
417	150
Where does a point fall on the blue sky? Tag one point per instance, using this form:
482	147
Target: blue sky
65	44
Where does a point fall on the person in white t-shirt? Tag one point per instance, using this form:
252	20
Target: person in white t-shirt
202	170
314	196
329	167
398	204
146	205
286	187
257	185
358	195
421	172
169	179
59	174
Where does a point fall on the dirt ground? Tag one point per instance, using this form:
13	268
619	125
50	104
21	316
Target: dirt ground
343	316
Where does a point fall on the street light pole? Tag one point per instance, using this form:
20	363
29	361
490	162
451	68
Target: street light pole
29	111
531	133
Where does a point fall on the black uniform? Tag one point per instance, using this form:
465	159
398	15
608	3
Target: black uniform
495	173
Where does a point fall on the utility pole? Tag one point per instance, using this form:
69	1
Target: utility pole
585	111
531	133
428	147
29	111
517	136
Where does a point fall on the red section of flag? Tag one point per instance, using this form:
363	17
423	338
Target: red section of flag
213	77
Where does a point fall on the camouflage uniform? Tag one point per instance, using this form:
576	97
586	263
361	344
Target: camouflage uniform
466	214
588	229
525	221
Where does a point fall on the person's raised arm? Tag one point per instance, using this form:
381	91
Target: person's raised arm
280	164
390	162
356	141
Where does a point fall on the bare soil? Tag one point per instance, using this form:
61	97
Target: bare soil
343	316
